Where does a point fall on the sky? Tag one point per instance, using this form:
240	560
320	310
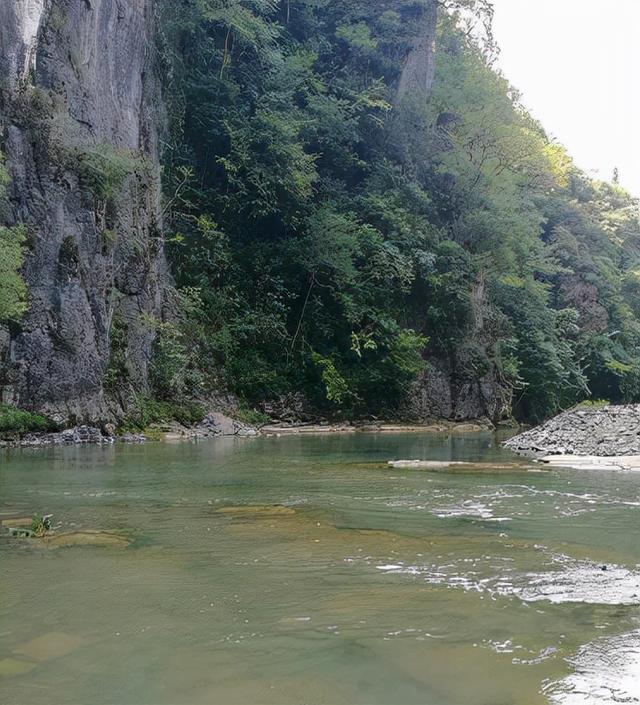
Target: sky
577	64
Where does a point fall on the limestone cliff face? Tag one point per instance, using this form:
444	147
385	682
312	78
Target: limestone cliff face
419	69
78	127
468	384
456	387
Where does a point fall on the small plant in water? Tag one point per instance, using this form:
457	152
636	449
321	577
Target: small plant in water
41	525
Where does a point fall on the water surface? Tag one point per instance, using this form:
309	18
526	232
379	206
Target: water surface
305	570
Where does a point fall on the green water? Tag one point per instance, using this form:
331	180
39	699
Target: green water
305	570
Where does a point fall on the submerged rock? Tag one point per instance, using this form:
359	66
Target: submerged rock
86	538
49	646
15	667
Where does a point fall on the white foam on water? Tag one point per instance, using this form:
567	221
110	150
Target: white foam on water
606	672
574	581
491	504
581	581
468	508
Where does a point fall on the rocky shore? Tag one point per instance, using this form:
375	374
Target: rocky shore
608	431
285	429
213	425
76	436
216	424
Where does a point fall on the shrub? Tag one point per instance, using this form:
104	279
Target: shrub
13	291
15	421
41	525
104	169
150	411
251	416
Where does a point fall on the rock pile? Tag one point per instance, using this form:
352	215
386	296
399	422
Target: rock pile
80	435
216	424
603	431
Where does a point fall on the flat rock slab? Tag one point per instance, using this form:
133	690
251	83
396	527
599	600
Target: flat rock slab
594	462
86	538
455	465
49	646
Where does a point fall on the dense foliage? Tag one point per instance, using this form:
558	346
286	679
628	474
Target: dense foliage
326	240
18	422
12	287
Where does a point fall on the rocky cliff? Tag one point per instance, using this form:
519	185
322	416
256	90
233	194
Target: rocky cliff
467	384
419	70
79	109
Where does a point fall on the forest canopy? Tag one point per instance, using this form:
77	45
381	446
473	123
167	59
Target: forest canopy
337	241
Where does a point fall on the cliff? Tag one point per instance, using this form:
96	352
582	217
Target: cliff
363	218
419	69
78	123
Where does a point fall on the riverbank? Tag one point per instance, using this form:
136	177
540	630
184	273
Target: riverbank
213	425
373	427
216	424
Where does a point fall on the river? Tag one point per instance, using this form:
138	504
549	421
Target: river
305	570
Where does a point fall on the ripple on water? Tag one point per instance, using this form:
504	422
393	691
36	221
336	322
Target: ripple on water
606	671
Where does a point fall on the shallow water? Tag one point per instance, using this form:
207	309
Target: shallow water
305	570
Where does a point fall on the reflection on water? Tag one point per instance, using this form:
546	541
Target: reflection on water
307	570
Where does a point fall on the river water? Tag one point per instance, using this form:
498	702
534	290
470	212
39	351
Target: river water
305	570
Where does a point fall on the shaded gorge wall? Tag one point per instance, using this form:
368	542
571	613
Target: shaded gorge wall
79	110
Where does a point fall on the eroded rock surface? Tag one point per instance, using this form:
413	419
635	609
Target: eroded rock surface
78	125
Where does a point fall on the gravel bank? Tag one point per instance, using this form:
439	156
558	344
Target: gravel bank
604	432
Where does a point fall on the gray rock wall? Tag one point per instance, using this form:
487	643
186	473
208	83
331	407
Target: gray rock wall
446	392
79	110
419	69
